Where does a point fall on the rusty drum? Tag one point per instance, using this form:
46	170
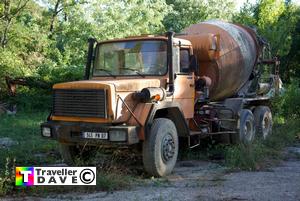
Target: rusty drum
226	53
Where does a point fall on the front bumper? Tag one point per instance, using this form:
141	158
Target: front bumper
72	133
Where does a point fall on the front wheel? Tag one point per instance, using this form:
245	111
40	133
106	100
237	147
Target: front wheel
160	149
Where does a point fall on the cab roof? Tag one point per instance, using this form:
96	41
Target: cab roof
183	42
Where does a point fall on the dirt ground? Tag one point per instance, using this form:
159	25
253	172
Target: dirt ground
207	181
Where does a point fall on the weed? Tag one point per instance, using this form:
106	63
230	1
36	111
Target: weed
257	155
7	178
110	181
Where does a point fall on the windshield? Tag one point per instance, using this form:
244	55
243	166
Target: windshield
142	57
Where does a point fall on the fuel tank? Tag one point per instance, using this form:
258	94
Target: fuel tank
227	53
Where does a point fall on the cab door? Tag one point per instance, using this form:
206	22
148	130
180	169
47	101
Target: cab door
184	84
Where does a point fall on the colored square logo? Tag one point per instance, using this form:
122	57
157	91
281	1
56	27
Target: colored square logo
24	176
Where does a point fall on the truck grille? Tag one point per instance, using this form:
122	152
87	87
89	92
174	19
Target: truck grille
81	103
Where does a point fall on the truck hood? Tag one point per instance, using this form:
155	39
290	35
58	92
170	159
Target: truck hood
118	85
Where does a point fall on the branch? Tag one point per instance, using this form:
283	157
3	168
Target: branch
58	11
19	8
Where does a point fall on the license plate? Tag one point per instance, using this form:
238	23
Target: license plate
95	135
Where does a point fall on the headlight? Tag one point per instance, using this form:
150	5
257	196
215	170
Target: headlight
46	132
117	135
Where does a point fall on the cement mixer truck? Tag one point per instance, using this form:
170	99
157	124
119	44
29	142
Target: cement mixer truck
156	94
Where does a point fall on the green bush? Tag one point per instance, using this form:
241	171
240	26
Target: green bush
51	73
31	100
290	105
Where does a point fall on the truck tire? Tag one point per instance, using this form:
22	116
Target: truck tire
160	148
246	131
263	121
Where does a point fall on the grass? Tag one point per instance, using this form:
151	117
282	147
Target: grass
262	154
24	130
114	181
33	150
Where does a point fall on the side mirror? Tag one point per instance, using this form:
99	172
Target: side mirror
193	63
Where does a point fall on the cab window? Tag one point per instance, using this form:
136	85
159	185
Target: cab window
184	60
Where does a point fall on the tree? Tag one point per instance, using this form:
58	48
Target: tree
22	39
187	12
121	18
10	11
290	62
270	17
184	13
59	8
217	9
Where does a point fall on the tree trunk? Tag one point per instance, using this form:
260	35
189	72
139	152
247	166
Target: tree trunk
54	15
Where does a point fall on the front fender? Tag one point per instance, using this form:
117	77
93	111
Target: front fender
172	111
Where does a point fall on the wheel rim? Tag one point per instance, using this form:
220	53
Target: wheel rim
168	148
265	126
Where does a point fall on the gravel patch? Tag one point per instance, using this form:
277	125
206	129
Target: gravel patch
207	181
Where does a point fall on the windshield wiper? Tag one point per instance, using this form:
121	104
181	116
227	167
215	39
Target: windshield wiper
134	70
107	71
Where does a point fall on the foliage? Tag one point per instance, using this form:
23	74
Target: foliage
290	67
289	104
31	100
185	13
278	22
115	19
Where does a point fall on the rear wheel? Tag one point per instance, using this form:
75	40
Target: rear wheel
246	132
247	128
160	149
263	121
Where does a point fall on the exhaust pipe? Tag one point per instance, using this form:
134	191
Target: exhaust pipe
91	42
170	35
